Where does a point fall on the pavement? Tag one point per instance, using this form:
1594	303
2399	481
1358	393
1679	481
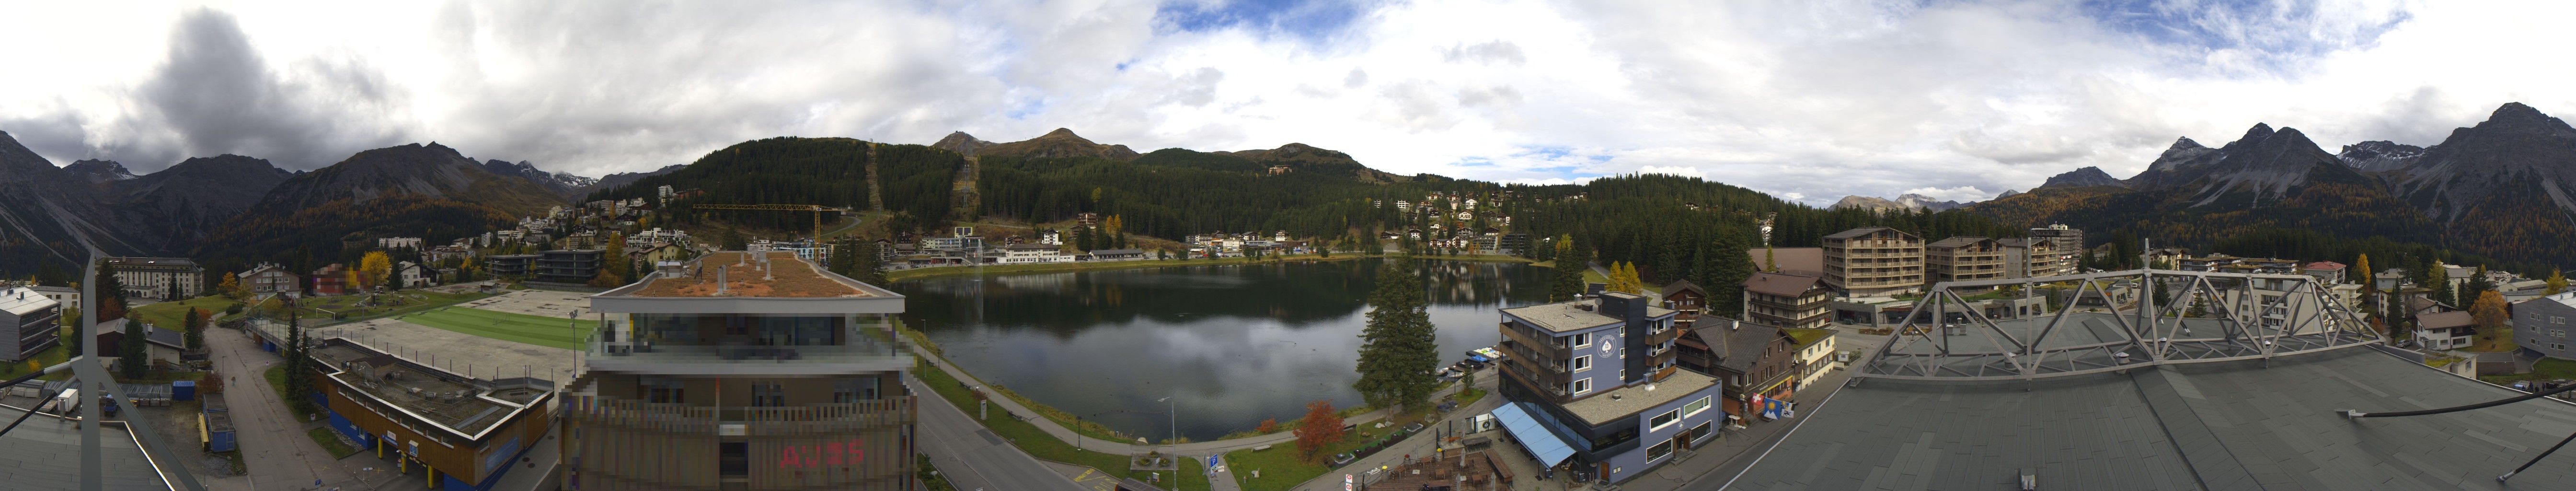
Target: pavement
273	441
1419	445
1711	466
973	458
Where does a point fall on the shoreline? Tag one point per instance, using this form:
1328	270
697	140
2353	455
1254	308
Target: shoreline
940	271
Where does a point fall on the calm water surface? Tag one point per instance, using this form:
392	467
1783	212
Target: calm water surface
1237	344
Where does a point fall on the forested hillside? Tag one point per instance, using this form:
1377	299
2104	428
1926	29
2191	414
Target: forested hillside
805	171
322	234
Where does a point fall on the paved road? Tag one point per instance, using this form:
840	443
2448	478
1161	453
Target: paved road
272	440
971	457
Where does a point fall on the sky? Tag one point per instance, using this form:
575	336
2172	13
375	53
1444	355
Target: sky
1806	100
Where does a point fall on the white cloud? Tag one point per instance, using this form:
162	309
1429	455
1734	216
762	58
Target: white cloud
1795	98
1960	194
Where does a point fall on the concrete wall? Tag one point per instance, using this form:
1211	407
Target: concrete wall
2542	325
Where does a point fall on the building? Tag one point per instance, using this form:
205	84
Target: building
1118	255
662	194
510	265
2445	330
332	280
1873	261
1515	243
658	253
414	275
1034	254
1592	387
1967	258
67	297
2209	263
391	243
165	278
2026	257
1687	300
161	346
1807	261
2541	324
1787	300
569	266
29	321
270	278
46	455
2325	271
2167	257
678	395
455	429
1812	354
2069	244
1755	363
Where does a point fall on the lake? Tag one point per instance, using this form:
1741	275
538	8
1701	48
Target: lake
1237	344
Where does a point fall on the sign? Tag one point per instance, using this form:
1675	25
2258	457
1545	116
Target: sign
1213	466
735	429
818	455
1346	482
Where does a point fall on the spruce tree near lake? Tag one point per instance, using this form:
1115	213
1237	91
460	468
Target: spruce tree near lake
1724	267
1399	349
1571	260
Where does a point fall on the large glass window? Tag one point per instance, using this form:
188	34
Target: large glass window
853	390
1694	407
1660	421
768	395
1659	450
662	390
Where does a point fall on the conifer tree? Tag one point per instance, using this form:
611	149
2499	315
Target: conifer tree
1399	349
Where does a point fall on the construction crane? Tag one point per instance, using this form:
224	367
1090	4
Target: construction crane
817	209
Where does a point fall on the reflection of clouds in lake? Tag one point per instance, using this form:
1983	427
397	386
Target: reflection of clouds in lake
1239	344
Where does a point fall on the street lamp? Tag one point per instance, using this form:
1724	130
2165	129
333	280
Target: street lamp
1176	438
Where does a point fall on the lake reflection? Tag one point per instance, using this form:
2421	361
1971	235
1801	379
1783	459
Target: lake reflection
1239	344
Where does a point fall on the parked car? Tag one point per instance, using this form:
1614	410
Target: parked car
1343	458
1413	428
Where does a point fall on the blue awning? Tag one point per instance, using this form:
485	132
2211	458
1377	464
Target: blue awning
1546	445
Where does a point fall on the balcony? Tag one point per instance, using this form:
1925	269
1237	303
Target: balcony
806	420
747	359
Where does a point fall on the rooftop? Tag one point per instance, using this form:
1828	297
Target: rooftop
463	405
1627	400
2227	426
22	300
1780	284
45	454
1955	242
152	261
1808	261
1574	315
1846	234
788	277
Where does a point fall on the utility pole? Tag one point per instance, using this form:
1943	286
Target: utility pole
1176	439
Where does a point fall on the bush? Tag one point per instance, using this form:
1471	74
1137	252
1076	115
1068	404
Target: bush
235	309
1268	425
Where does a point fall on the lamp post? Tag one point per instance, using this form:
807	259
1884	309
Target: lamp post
1175	408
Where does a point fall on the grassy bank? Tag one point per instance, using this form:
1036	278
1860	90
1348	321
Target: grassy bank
1282	467
411	301
1040	444
330	442
173	315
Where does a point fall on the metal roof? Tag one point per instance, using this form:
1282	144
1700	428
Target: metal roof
2227	426
1548	447
22	300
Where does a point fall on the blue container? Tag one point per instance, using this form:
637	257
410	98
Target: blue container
183	390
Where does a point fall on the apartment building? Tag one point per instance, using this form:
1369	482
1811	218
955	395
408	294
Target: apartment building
1787	300
1964	259
2069	242
270	278
2031	257
1593	389
742	370
29	321
570	266
1873	261
165	278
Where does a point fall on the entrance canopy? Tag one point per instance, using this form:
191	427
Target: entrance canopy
1546	445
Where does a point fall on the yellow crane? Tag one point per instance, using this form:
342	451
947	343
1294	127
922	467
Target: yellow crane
817	209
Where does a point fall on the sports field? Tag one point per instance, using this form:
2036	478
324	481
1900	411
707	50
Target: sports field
518	328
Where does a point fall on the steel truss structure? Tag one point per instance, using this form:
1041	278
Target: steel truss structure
2214	317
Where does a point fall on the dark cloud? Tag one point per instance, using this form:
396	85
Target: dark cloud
216	95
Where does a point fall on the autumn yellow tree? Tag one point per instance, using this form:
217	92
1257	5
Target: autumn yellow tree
2557	283
2489	315
372	269
230	286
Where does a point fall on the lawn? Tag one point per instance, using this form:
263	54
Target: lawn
276	379
410	301
1041	445
169	315
49	357
517	328
1281	468
330	442
2500	341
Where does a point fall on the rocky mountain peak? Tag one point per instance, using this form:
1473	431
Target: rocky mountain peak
2258	132
2085	177
97	171
2379	155
1062	133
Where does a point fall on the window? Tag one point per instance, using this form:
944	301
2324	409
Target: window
663	390
855	390
1659	450
733	458
1582	386
1582	363
2558	333
1702	432
1660	421
1583	340
1695	407
768	395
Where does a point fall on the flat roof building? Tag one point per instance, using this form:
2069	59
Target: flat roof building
1873	261
459	430
30	322
1593	388
165	278
742	370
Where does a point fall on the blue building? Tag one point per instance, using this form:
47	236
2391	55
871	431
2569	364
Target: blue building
1593	389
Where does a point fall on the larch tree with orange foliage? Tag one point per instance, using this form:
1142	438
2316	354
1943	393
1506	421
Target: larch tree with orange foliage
372	269
2489	315
1319	429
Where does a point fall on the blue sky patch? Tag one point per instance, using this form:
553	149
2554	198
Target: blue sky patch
1309	20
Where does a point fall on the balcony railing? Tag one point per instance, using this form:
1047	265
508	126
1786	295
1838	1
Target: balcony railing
756	421
875	354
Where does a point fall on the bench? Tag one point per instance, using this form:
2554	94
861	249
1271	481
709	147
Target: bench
1499	469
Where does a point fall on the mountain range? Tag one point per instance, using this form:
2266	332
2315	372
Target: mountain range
2498	189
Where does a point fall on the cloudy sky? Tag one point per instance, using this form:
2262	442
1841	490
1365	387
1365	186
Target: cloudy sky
1809	100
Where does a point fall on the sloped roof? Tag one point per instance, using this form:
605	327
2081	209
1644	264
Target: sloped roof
1955	242
1846	234
1808	261
2445	319
1781	284
1678	286
2235	426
